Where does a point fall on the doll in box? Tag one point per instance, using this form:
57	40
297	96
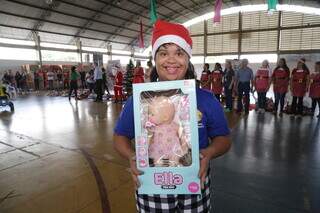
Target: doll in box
167	145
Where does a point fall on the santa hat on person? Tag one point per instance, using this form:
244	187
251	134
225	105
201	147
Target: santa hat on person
165	32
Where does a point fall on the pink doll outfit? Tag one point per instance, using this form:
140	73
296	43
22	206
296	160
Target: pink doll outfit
166	144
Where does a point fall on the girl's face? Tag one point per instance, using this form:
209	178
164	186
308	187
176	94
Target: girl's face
299	65
281	63
171	62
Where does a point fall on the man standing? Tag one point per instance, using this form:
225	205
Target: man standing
244	84
98	82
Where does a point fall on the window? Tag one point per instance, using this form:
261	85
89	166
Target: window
226	43
18	54
48	55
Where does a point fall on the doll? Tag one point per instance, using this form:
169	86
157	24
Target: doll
167	145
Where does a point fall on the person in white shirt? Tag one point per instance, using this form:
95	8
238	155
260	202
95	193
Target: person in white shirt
98	82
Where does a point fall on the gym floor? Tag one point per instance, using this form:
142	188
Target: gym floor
57	156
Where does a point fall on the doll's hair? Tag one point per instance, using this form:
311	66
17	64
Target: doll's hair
190	74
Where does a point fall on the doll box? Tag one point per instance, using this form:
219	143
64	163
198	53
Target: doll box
166	137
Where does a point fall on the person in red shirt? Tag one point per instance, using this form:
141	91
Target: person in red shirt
298	85
118	85
216	80
138	74
205	77
262	84
280	79
314	88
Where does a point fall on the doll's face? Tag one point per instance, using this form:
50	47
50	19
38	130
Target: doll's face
161	110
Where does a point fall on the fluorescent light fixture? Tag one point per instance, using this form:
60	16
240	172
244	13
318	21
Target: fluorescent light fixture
95	49
16	41
220	58
121	52
197	59
61	46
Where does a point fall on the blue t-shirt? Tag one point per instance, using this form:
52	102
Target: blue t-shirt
211	119
244	75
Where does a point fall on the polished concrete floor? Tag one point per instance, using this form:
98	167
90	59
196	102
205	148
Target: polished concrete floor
57	156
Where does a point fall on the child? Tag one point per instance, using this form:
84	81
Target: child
205	77
138	74
171	50
118	85
299	82
280	79
228	81
262	83
314	91
216	80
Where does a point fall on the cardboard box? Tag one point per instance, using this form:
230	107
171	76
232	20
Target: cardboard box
166	137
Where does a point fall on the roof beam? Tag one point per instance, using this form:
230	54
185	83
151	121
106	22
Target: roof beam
89	22
72	15
45	14
64	34
93	10
121	8
59	23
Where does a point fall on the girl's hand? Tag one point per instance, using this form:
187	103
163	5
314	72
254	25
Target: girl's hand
204	165
135	172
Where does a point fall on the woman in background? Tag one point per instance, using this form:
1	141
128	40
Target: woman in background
280	79
298	85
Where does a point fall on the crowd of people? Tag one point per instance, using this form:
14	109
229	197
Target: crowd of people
237	82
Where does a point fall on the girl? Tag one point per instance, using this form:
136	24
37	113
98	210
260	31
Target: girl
216	80
314	91
228	82
138	74
205	77
298	85
74	76
280	79
171	49
262	83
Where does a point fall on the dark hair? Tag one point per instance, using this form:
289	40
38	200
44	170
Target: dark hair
190	74
73	68
304	66
218	65
285	66
318	63
149	63
207	65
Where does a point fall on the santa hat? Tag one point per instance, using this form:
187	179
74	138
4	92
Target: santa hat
165	32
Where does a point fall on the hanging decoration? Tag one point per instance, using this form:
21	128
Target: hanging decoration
217	11
141	41
272	6
153	11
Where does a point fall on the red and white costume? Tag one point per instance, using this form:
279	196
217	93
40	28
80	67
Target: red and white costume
280	80
205	78
118	85
216	83
314	85
299	82
138	75
262	80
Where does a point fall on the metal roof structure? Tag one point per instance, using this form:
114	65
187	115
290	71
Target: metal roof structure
98	23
